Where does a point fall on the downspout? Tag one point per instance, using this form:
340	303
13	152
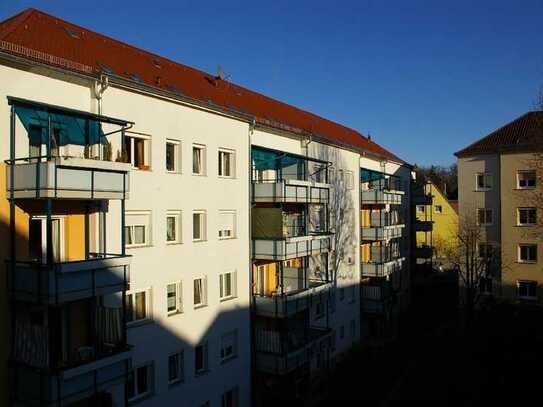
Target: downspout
252	126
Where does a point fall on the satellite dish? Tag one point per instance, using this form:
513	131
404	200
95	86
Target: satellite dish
220	73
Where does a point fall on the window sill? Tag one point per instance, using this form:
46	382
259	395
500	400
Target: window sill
175	383
201	373
199	241
173	172
228	238
526	225
137	246
174	313
200	306
173	243
199	175
141	322
482	189
228	359
524	188
526	261
140	398
226	299
225	177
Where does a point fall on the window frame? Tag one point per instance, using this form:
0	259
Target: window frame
519	172
486	211
234	224
234	351
180	368
440	211
233	285
203	154
176	214
148	308
526	297
519	253
176	156
204	299
485	187
146	151
232	166
150	382
519	210
178	298
203	225
147	226
205	358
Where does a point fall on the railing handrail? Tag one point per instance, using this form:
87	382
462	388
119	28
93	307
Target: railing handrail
39	264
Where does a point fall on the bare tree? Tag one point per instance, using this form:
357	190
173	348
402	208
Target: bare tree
476	262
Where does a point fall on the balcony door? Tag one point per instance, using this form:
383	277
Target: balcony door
38	239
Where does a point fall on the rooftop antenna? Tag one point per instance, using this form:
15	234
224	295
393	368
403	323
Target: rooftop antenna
220	74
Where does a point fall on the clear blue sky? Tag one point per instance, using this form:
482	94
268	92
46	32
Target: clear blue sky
424	79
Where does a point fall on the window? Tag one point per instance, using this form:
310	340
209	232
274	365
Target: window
484	182
484	250
173	156
200	292
226	163
227	285
200	358
137	230
349	180
140	382
137	151
438	209
138	305
527	290
227	224
176	370
174	298
341	332
229	345
173	227
198	159
526	216
421	208
198	226
526	179
527	253
353	328
484	216
230	398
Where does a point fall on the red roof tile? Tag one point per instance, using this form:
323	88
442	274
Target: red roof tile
58	42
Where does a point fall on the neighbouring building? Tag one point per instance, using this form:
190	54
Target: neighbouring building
171	237
500	180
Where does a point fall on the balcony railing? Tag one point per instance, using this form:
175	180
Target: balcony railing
290	190
291	302
382	232
68	177
381	267
69	281
423	225
424	252
290	248
277	355
382	191
374	298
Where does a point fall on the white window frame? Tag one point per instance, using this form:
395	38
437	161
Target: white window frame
176	156
178	226
519	253
203	154
519	210
440	208
205	354
150	381
180	368
233	350
231	168
233	285
129	224
178	298
486	177
348	177
421	208
61	237
486	210
526	172
526	297
203	225
148	308
222	234
203	301
146	149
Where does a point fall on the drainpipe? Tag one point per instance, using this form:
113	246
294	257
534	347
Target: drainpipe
252	126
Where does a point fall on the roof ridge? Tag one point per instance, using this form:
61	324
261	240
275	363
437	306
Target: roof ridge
11	23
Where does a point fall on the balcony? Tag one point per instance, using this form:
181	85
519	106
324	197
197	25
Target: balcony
291	190
374	298
69	281
382	268
291	302
276	354
43	387
382	191
382	232
424	252
423	225
290	247
68	178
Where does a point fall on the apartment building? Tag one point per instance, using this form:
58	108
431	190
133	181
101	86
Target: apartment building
192	242
500	187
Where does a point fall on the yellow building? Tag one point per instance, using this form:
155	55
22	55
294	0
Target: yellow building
442	214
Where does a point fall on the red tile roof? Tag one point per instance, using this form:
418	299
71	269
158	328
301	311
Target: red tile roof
37	35
522	134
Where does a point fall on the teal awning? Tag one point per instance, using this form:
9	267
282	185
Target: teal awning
272	160
369	175
67	128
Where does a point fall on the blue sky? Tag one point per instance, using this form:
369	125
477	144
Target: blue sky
424	78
